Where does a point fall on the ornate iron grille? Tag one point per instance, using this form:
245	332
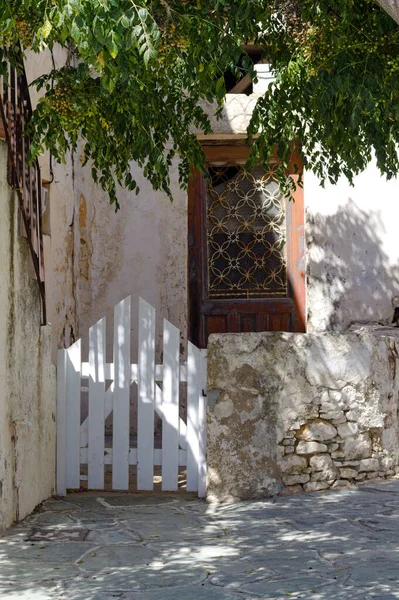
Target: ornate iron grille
15	113
246	233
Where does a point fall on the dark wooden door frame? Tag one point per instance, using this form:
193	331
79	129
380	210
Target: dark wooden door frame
197	247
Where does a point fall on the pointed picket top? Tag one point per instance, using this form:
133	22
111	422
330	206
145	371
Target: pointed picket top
73	379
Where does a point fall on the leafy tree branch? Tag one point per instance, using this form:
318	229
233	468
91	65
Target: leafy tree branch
142	68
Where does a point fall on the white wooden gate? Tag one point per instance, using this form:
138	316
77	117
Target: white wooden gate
82	442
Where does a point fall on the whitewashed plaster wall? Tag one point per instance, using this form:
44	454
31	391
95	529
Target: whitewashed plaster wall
60	245
353	250
139	251
28	386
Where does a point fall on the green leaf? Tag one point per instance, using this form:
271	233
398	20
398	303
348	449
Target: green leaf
46	29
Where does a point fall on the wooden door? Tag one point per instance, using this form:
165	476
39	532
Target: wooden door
246	250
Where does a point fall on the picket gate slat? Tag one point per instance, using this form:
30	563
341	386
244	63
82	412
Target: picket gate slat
193	384
170	405
73	378
96	436
146	397
80	444
121	405
61	424
202	426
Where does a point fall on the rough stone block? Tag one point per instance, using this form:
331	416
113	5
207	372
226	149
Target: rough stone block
347	429
318	431
338	454
295	426
369	464
287	442
310	448
387	462
353	415
372	475
293	464
321	462
329	415
348	473
358	446
339	420
315	486
329	475
289	449
333	447
341	483
289	490
295	479
389	438
360	477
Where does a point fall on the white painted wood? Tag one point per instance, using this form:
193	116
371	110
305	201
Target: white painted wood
170	405
193	391
84	428
133	457
73	378
160	412
96	405
109	405
121	416
202	426
182	445
109	372
61	423
146	397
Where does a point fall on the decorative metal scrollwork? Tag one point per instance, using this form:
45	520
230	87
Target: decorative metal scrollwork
246	232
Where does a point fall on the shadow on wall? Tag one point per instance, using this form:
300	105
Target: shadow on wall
351	278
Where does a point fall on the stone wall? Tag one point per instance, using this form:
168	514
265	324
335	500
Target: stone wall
295	412
28	384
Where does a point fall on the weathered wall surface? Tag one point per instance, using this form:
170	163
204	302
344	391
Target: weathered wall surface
27	391
292	412
96	257
353	254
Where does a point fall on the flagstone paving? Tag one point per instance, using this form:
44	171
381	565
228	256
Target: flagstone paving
326	546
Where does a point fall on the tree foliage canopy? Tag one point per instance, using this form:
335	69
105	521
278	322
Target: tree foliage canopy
136	71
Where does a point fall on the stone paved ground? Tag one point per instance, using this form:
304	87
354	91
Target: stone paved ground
332	546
